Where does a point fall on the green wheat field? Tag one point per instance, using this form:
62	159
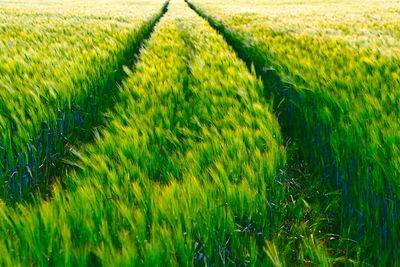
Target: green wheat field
199	133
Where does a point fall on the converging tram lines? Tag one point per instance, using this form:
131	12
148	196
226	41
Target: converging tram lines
199	133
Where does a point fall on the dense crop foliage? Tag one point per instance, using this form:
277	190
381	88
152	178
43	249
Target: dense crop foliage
335	69
171	151
186	171
54	71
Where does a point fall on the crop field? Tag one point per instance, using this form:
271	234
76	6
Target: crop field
199	133
50	91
